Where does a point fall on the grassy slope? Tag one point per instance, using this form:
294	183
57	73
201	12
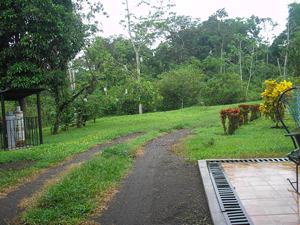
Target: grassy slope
255	140
57	148
76	195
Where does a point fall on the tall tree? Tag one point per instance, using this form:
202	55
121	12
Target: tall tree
294	43
145	30
37	36
38	39
285	47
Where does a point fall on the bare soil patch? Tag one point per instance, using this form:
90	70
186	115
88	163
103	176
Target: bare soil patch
16	165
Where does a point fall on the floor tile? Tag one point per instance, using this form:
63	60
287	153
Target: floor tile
254	210
265	192
262	220
284	219
245	193
292	202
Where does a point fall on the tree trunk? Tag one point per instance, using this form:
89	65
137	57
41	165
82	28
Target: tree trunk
250	73
138	64
279	66
57	121
79	121
284	67
287	49
136	50
140	108
240	65
221	67
182	102
268	55
182	99
23	105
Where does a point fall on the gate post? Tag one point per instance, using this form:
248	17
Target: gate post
4	122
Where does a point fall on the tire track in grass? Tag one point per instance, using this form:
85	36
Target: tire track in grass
9	204
161	189
85	189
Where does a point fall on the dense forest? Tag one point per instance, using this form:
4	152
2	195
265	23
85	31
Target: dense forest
167	61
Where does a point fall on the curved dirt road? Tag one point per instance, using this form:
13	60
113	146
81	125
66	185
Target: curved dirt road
162	189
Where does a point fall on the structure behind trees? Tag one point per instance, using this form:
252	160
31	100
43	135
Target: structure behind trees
16	130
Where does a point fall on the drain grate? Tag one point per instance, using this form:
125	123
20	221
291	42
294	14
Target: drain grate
229	202
248	160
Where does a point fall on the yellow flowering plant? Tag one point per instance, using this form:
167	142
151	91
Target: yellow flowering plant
270	95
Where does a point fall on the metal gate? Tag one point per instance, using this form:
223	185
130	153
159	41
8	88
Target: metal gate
21	133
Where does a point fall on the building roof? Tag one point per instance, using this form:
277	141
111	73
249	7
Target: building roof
18	94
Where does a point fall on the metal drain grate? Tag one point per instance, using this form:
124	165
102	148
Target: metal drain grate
229	202
248	160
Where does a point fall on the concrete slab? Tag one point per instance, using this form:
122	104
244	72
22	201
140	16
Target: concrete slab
213	204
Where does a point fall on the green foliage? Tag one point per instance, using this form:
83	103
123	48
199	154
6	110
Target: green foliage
221	60
36	36
294	23
94	107
125	98
222	89
180	87
244	112
223	116
67	117
234	117
270	95
255	112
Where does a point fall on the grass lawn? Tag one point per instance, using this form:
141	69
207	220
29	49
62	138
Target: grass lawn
254	140
59	147
78	194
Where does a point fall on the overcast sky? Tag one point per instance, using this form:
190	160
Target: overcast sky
275	9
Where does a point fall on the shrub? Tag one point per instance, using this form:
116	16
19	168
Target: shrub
233	115
180	87
223	116
125	99
270	95
67	117
241	119
221	89
244	112
255	112
235	119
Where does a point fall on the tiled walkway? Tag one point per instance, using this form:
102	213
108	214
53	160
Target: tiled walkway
264	191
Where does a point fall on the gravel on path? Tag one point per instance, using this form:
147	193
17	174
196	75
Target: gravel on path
9	204
162	189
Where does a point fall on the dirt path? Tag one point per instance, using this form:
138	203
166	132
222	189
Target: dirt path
8	204
162	189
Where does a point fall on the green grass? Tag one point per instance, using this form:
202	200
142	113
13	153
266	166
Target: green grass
59	147
74	197
254	140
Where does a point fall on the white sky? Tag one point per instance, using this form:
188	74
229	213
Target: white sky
275	9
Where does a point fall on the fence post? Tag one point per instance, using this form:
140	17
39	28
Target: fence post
4	122
39	117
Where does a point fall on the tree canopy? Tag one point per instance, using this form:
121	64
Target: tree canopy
37	36
168	61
